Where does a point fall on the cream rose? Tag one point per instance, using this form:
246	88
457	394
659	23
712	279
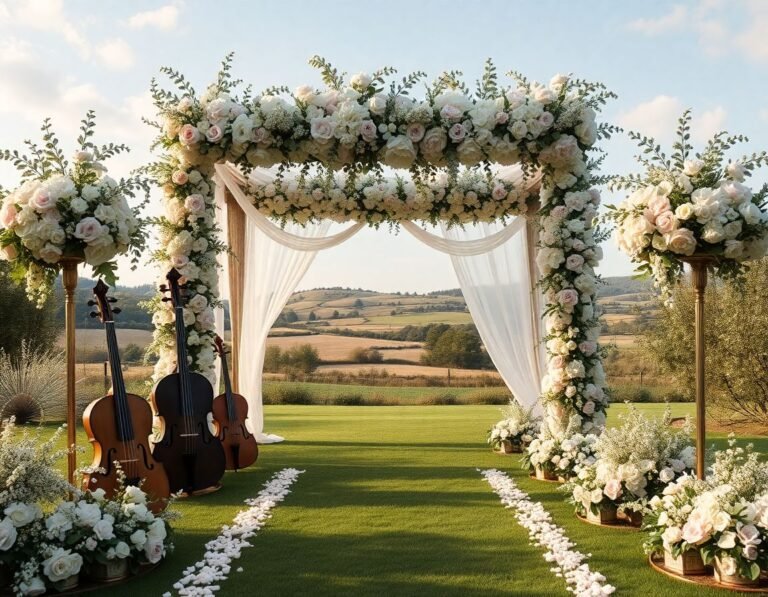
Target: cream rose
399	152
8	534
62	564
21	514
434	142
681	241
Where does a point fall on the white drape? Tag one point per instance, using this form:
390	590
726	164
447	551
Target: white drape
500	290
276	259
492	263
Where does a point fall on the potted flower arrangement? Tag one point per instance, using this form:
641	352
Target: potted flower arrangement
515	431
691	204
556	453
66	210
721	521
634	462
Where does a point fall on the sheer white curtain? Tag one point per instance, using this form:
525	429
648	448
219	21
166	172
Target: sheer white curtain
276	260
499	287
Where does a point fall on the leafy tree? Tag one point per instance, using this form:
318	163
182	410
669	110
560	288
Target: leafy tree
290	316
736	335
21	320
455	346
132	353
358	304
335	315
312	316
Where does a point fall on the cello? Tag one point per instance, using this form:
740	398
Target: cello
230	411
192	455
119	425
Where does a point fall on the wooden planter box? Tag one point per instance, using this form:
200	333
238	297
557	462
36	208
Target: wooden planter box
634	519
733	580
113	571
689	563
508	447
607	515
545	475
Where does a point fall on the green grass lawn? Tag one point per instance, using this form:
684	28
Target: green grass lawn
391	504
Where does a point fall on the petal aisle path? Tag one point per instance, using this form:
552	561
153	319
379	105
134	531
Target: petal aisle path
202	577
543	532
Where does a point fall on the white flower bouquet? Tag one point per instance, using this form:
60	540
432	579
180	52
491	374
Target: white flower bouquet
67	210
634	462
518	427
724	518
560	453
691	204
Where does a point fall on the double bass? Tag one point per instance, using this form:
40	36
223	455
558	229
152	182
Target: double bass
192	455
230	411
119	425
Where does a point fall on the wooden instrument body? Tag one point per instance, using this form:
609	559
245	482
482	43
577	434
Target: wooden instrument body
135	457
193	457
240	447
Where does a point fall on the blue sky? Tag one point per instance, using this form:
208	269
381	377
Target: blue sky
60	58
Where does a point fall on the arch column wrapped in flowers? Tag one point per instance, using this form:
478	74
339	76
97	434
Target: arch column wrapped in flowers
358	127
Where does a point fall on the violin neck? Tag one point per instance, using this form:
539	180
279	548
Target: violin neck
227	387
182	365
122	413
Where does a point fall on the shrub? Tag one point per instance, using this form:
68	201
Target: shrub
444	399
287	394
133	353
489	396
348	400
366	355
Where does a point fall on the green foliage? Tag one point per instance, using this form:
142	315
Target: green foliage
736	336
455	346
328	73
302	358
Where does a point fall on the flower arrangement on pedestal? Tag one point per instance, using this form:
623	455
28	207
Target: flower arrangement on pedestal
48	539
516	430
691	204
633	463
67	210
723	519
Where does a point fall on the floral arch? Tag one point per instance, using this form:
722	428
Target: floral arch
328	149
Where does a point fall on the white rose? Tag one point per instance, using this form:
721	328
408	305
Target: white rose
681	241
78	205
322	128
157	530
736	171
666	475
242	129
62	564
34	586
684	211
87	514
96	255
153	551
361	81
692	167
88	229
104	529
139	538
377	104
50	253
751	213
399	152
469	152
21	514
8	534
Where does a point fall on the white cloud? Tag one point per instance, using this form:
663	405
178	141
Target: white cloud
45	15
737	26
164	18
668	22
116	54
658	117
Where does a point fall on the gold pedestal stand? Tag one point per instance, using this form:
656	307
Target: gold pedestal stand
69	281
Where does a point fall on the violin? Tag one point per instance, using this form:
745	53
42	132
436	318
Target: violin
230	411
119	425
182	401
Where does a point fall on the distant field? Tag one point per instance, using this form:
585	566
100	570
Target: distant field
338	348
407	370
453	317
406	394
95	338
627	341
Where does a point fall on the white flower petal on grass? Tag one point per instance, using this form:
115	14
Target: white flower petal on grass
533	517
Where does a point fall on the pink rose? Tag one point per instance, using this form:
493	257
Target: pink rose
666	222
9	253
214	133
658	204
612	489
546	119
179	177
499	193
594	195
415	131
574	262
450	112
557	362
434	142
195	203
88	229
42	200
189	135
588	408
322	128
588	348
457	132
568	297
502	117
7	214
695	531
260	135
368	130
558	212
179	261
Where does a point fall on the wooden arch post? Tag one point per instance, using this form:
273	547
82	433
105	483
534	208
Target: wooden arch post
236	268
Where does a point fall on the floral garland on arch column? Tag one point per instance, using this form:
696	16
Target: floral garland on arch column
363	123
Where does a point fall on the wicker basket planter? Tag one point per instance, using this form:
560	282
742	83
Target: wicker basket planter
688	563
544	475
509	447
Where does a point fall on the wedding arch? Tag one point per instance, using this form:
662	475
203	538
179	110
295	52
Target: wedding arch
266	174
